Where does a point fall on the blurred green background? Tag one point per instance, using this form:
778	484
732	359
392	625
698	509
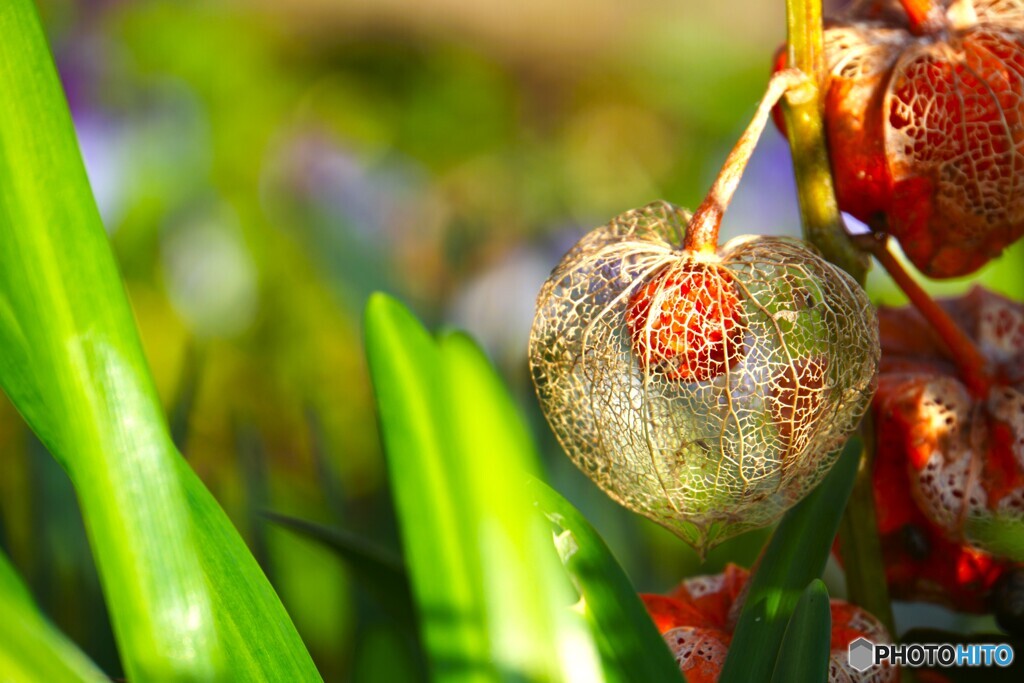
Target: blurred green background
262	166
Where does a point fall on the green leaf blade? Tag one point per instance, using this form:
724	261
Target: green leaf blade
380	574
795	555
81	381
175	573
405	365
626	633
31	649
807	643
532	631
493	600
263	643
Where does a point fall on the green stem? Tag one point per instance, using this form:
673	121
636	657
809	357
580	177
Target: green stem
860	545
702	230
819	212
806	40
823	226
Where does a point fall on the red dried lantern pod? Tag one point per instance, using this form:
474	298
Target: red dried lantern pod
698	643
698	618
689	321
960	442
924	112
849	623
921	562
707	387
718	597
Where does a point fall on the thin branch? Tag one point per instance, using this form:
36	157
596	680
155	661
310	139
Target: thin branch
972	364
702	232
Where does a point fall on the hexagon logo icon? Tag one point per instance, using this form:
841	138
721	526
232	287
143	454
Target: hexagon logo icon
862	654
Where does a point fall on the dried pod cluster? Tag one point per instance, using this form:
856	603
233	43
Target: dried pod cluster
961	449
706	390
698	618
925	124
922	563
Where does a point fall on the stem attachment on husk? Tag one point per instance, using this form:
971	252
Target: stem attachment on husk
925	16
702	231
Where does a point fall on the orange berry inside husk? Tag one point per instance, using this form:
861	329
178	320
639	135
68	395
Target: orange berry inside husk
686	323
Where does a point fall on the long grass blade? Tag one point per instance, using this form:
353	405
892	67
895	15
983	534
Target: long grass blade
626	633
531	627
492	599
808	639
382	575
405	365
31	649
794	557
186	599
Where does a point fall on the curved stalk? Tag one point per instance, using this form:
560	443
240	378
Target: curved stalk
972	365
702	232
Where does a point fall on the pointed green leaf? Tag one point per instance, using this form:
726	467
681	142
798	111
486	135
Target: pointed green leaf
378	572
808	640
31	649
492	600
263	644
186	598
405	365
531	627
795	555
627	634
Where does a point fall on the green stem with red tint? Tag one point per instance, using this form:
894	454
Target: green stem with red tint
702	231
819	211
823	226
971	364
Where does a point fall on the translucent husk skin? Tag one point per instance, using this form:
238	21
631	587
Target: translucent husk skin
707	459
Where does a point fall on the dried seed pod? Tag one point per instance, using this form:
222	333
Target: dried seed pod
962	443
924	113
706	390
850	622
698	618
921	562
